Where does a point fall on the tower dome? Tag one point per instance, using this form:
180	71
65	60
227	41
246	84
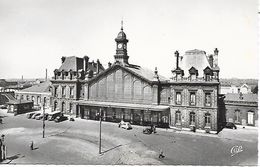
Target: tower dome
121	35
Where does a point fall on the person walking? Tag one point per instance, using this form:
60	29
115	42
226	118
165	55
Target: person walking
31	145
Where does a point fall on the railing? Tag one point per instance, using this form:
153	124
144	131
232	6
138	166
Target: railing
199	79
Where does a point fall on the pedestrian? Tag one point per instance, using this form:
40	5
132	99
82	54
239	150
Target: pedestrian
31	145
1	121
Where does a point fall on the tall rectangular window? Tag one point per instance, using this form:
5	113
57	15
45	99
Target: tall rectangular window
237	116
178	117
71	92
207	99
70	108
192	98
63	91
178	98
55	94
192	118
207	119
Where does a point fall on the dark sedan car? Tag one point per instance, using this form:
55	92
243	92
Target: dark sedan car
60	119
230	125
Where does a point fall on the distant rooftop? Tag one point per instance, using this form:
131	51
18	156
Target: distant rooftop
39	88
245	97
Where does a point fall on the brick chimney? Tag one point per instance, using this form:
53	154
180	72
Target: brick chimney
98	66
109	64
211	60
215	60
63	59
86	58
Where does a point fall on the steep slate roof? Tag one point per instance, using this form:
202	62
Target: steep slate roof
39	88
194	58
76	63
246	97
72	63
144	72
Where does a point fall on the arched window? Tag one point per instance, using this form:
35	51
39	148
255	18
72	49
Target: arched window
62	106
178	117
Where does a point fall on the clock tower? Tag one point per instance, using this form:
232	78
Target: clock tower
121	47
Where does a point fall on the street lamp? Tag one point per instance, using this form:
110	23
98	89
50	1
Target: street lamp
43	121
100	121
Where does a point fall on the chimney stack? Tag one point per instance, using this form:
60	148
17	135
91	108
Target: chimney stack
177	58
62	59
46	74
216	51
86	58
211	60
109	64
215	60
98	64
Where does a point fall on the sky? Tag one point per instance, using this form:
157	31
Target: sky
35	34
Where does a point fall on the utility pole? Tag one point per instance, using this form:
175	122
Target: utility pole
43	121
100	121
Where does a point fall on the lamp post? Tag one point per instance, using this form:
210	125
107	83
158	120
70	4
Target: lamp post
100	121
43	121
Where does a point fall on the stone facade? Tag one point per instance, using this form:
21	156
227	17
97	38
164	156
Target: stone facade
66	83
132	93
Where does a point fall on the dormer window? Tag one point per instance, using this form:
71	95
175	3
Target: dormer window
193	73
207	74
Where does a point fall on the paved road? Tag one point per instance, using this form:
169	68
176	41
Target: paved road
77	143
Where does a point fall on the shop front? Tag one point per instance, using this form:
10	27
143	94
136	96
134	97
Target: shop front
137	114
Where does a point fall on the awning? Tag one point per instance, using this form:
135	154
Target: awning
123	105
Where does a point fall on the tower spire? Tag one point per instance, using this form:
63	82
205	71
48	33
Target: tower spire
122	24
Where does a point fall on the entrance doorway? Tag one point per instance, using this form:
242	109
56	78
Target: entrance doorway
250	118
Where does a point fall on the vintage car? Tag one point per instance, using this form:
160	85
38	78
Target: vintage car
60	118
125	125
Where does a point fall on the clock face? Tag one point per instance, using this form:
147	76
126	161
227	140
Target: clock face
119	46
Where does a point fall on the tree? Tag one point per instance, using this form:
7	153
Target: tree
255	89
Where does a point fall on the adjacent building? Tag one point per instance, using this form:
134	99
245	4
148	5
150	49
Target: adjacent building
67	82
39	94
242	109
194	91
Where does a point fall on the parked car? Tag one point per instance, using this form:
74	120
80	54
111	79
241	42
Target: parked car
230	125
29	115
125	125
149	130
60	118
53	115
38	117
35	115
3	106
